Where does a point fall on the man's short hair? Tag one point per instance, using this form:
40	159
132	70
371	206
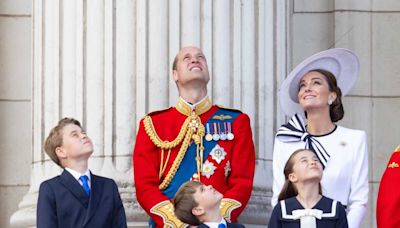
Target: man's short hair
175	63
55	138
184	202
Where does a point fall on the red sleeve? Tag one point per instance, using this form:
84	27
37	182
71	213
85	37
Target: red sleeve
240	180
146	165
388	203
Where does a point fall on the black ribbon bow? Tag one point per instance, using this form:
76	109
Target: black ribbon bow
295	131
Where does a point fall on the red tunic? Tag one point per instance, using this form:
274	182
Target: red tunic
240	154
388	203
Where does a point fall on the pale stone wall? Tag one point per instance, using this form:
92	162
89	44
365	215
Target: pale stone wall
15	104
135	41
370	28
107	63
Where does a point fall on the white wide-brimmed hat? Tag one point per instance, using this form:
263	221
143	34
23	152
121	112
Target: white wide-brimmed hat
341	62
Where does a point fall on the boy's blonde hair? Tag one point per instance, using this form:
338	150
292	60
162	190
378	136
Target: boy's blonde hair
184	202
55	138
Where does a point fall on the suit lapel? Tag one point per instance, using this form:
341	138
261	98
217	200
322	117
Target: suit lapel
74	187
96	192
233	225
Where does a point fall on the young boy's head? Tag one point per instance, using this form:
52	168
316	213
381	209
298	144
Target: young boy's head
68	142
194	201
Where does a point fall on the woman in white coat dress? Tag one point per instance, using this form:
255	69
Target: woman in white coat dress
314	90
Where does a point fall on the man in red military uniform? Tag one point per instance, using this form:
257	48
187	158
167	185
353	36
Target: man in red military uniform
193	141
388	203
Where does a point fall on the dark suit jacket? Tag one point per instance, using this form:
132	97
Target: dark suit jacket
63	203
229	225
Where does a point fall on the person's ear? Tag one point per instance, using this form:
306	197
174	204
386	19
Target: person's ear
332	98
60	152
197	211
175	75
292	178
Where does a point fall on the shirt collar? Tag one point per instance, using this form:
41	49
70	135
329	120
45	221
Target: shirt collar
200	107
77	174
215	224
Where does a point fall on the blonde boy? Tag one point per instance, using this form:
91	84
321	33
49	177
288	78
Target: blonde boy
76	198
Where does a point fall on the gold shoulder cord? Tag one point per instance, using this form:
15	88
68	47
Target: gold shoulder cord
227	206
192	128
165	210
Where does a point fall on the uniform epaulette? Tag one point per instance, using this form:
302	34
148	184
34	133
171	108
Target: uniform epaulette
158	112
230	109
397	149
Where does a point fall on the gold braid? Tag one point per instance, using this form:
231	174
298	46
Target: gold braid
177	162
192	128
151	132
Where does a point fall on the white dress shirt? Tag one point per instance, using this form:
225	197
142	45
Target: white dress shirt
215	224
77	175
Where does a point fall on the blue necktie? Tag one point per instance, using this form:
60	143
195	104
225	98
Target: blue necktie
221	225
85	184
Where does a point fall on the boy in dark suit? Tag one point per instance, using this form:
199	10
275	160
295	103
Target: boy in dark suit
199	205
76	198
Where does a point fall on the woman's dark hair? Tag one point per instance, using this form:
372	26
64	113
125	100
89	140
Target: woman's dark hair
289	189
336	110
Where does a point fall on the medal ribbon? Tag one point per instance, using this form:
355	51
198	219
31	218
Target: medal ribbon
188	165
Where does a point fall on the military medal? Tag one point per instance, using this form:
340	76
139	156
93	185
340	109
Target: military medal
230	135
208	169
209	136
215	135
218	153
223	132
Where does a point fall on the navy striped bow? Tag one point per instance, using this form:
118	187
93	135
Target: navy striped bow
295	131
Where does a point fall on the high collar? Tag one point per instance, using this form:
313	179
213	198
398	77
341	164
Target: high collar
199	108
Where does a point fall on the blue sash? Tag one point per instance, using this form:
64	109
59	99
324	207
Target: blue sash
188	165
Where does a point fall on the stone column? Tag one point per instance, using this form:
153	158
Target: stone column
108	63
83	55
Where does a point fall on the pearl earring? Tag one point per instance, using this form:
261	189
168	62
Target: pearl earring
330	102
